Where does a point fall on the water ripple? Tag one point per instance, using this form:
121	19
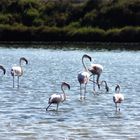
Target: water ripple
22	111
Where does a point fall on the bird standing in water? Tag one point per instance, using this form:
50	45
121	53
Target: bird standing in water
18	70
83	77
118	97
57	98
96	69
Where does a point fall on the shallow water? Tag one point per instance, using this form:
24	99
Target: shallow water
22	111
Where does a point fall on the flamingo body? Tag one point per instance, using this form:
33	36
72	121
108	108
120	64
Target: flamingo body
17	71
83	77
56	98
96	69
118	98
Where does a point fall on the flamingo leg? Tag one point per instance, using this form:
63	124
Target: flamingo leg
98	76
85	90
93	83
116	106
90	75
80	91
57	107
119	107
13	81
18	81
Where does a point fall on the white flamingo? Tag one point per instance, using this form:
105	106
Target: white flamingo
96	69
3	69
118	97
18	70
57	98
83	77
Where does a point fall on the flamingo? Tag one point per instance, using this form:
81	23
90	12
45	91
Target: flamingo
118	97
83	77
96	69
18	70
57	98
3	69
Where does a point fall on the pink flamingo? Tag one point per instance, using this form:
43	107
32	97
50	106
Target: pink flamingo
57	98
96	69
18	70
118	97
83	77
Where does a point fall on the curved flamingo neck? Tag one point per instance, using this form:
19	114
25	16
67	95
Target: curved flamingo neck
23	59
62	88
86	56
104	82
84	64
3	69
106	86
20	62
64	94
98	76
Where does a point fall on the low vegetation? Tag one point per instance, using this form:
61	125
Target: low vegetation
62	20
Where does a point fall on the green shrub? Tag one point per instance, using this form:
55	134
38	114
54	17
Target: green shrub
29	16
6	19
74	25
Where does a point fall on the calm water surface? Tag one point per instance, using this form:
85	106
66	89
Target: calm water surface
22	111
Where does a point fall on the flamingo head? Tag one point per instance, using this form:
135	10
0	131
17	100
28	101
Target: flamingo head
117	88
86	56
23	59
65	84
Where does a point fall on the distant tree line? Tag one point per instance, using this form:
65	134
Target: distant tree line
62	20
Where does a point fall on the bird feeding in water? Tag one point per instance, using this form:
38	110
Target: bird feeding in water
3	69
96	69
83	77
118	97
18	70
58	98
